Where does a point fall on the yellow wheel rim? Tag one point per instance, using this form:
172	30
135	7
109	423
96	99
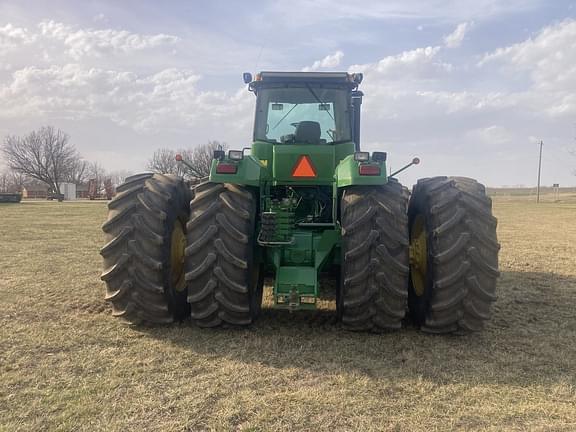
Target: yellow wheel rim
177	249
419	255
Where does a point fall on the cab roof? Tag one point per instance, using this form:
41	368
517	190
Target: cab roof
305	76
350	80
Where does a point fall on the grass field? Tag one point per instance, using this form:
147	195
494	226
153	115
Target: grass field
66	364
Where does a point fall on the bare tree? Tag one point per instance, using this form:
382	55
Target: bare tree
164	161
119	177
13	181
19	180
96	172
45	155
4	181
78	172
202	156
199	158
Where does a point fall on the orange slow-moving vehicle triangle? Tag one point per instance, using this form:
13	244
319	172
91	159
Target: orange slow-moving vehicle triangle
304	168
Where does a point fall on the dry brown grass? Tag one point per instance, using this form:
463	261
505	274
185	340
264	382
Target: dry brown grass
66	364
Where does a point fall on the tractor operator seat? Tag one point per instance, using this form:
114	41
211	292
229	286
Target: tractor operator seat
308	132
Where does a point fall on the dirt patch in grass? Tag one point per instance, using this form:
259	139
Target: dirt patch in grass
66	364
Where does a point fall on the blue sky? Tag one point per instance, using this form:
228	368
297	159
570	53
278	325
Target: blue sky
470	87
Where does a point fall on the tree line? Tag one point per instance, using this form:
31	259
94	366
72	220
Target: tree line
199	160
48	157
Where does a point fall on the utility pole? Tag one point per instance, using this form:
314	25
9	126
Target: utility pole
539	170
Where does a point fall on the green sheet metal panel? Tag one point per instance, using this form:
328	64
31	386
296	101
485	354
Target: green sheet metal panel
287	156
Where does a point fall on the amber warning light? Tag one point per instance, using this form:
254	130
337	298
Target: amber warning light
304	168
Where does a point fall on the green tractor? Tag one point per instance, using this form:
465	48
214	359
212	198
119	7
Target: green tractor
304	201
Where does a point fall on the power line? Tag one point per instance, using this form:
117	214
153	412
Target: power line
553	159
557	156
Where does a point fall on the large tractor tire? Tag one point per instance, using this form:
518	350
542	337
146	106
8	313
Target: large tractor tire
375	267
144	253
453	255
224	278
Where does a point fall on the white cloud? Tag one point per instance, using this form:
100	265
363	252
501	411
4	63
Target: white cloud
67	73
328	62
51	42
419	63
117	91
419	82
54	43
442	10
165	100
455	39
552	42
12	37
549	57
90	42
548	62
490	136
417	103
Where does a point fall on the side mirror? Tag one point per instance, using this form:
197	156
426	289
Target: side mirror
247	77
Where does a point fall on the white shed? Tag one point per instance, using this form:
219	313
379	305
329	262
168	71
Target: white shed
68	190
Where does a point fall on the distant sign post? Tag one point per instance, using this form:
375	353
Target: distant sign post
556	187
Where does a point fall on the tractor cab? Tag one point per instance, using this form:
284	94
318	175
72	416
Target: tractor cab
305	125
306	107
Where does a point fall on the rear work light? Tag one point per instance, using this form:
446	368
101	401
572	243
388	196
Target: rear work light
369	170
362	156
236	155
219	154
226	168
379	156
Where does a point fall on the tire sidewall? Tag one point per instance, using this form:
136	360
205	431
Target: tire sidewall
420	305
178	209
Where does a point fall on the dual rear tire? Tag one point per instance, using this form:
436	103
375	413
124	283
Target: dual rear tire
225	281
143	254
173	253
454	252
434	254
375	267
